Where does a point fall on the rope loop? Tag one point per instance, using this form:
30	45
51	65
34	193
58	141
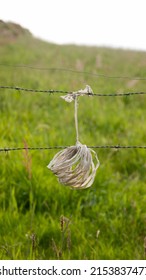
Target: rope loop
75	166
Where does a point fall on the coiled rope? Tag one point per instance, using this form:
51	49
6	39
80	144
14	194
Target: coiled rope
75	166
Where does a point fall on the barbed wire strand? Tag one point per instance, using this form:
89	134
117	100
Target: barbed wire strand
72	71
116	147
52	91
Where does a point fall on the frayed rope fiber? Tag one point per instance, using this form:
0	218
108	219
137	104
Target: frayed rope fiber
75	166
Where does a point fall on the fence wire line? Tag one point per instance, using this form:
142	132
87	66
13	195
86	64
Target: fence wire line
73	71
52	91
64	147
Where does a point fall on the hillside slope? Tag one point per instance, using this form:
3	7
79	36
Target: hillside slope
39	218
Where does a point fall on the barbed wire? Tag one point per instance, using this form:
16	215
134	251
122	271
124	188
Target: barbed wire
116	147
72	71
52	91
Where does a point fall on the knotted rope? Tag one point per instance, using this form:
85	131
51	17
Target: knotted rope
75	166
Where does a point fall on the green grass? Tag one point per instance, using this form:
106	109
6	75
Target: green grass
39	218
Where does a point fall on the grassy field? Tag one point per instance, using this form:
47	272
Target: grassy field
40	218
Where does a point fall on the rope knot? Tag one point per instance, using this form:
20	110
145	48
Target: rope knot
72	96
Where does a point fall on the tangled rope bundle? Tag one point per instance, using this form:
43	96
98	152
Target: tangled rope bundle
75	166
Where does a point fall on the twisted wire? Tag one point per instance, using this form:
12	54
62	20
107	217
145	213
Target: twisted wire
52	91
9	149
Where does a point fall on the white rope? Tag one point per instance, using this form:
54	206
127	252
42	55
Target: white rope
76	120
75	166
